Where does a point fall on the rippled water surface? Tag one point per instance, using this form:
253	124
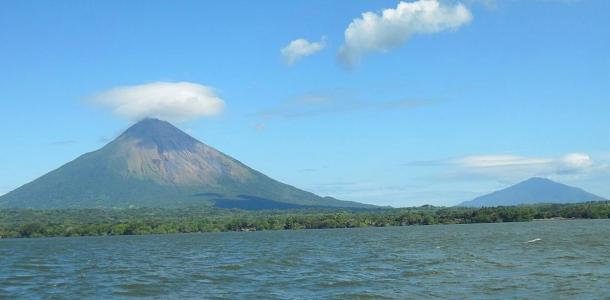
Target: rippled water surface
571	260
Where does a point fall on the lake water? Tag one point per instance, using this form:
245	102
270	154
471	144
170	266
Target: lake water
571	260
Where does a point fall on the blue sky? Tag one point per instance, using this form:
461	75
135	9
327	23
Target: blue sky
435	110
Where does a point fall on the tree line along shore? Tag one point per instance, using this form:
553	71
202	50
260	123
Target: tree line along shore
26	223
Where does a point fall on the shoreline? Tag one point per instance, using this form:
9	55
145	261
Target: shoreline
285	229
24	223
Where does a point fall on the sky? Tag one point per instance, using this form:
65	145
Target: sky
382	102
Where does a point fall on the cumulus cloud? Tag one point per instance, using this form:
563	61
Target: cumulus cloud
172	101
300	48
574	163
393	27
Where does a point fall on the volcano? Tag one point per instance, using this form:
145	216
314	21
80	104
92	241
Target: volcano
532	191
154	164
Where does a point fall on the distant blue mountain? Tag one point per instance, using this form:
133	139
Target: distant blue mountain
533	190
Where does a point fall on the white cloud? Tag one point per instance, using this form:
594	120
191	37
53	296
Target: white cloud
577	160
300	48
173	101
512	167
393	27
490	161
575	163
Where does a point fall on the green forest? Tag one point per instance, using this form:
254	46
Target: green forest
24	223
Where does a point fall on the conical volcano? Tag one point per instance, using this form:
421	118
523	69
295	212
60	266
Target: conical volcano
531	191
154	164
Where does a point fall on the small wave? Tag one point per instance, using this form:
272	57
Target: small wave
229	267
534	240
